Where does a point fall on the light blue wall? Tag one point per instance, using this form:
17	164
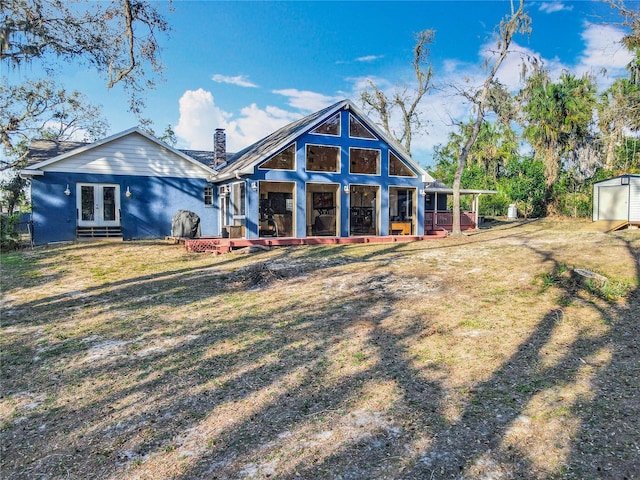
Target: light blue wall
301	177
147	214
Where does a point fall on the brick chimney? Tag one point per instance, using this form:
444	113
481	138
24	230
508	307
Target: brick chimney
219	147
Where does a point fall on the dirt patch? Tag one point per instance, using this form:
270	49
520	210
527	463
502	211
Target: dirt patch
478	357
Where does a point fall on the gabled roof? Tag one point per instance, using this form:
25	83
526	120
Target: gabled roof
624	175
42	149
47	152
246	160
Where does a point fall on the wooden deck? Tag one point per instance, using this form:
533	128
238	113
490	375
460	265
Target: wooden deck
606	226
219	245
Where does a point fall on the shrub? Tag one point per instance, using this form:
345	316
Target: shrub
9	236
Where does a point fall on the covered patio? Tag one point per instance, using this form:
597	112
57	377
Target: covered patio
437	214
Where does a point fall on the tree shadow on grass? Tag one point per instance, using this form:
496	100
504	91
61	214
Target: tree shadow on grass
327	389
488	439
606	444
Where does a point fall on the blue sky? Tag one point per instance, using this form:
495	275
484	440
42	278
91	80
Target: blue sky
251	67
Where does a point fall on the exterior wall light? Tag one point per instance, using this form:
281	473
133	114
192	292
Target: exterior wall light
254	186
67	192
346	189
423	192
128	193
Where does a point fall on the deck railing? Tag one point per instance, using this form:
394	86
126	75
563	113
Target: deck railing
444	220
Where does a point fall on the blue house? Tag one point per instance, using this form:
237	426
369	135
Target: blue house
125	186
332	173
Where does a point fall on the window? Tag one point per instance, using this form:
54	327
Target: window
397	167
285	160
358	130
364	160
330	127
323	158
401	203
238	199
208	196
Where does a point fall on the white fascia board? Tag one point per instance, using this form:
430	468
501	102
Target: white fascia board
468	191
390	141
234	174
124	133
294	135
28	173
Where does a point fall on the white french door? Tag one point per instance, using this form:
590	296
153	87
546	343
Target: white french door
98	205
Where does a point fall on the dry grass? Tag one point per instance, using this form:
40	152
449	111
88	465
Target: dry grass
480	357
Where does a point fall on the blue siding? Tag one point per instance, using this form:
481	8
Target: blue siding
147	214
301	177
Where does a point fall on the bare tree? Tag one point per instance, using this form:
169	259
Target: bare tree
41	109
403	98
117	38
516	22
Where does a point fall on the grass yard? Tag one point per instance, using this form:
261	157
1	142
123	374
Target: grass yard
484	357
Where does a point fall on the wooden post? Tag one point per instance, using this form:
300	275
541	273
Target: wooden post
435	210
476	205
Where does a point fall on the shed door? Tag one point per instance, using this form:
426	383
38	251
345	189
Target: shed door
613	203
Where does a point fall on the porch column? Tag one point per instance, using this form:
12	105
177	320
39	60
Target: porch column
435	210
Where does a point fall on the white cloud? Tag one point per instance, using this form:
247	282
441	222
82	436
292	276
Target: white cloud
369	58
603	51
239	80
306	100
441	109
200	116
553	7
255	123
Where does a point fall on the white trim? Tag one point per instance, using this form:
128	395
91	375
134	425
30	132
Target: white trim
377	210
337	207
204	196
325	120
117	136
295	159
415	198
294	204
306	160
350	107
351	115
30	173
414	175
98	189
379	164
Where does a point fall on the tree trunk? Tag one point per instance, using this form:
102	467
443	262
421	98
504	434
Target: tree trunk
518	21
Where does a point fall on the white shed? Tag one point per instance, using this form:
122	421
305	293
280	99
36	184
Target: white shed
617	198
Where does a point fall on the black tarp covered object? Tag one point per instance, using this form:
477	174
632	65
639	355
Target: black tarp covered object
185	224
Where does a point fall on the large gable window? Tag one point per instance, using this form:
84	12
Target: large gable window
329	127
323	158
364	160
397	168
358	130
285	160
